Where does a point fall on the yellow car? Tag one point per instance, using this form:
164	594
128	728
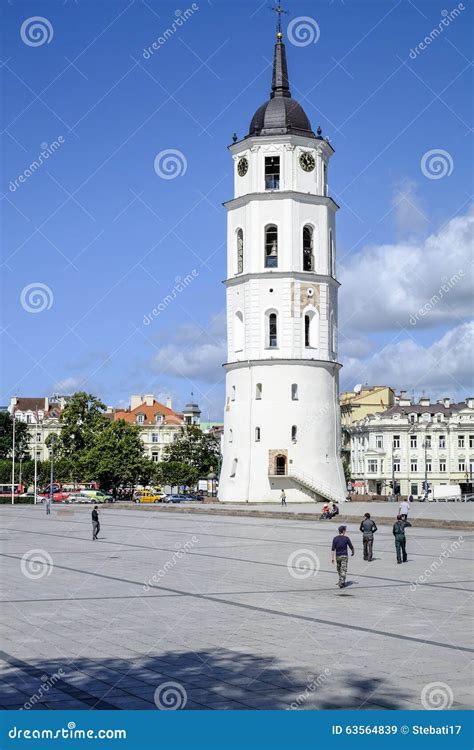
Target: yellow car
148	497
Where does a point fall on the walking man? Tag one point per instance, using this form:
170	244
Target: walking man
400	539
48	506
95	523
403	509
340	543
368	528
283	498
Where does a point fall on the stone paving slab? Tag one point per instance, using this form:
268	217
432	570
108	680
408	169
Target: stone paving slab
247	615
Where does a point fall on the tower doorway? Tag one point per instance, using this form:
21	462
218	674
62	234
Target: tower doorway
280	466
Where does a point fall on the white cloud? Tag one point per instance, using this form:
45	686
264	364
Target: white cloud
67	386
384	287
410	219
194	353
355	346
442	369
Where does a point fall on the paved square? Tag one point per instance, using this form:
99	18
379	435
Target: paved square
210	604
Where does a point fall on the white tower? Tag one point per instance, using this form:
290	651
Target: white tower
281	422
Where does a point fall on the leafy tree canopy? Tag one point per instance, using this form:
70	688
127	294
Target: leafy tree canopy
197	449
116	459
6	436
82	421
176	473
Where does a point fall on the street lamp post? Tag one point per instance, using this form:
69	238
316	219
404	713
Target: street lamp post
13	461
425	446
35	491
38	422
51	473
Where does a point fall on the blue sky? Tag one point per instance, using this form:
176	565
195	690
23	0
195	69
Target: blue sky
104	238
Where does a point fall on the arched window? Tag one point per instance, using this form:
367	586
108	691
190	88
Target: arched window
325	180
238	331
331	254
231	435
294	391
272	330
257	434
240	250
271	246
233	470
332	334
294	431
311	329
233	393
258	391
308	258
307	325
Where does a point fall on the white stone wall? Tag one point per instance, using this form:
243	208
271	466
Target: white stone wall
288	148
290	214
317	447
290	292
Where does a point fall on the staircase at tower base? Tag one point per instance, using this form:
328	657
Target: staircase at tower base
320	491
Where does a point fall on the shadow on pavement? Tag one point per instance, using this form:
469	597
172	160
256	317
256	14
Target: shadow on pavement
195	680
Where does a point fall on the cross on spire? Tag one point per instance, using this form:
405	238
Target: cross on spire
279	11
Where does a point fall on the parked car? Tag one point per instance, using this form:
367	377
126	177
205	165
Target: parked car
98	496
83	499
148	497
195	496
174	498
58	497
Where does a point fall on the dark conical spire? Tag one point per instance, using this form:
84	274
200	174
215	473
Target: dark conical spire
280	84
280	114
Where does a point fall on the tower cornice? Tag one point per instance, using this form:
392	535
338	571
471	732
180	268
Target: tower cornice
329	364
296	140
275	195
314	278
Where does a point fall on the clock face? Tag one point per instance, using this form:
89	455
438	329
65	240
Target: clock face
307	161
242	166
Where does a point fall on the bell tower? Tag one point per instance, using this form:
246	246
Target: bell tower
281	421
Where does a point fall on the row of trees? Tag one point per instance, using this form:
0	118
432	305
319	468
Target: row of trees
91	446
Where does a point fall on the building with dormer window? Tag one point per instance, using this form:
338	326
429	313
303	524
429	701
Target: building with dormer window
159	424
409	444
42	417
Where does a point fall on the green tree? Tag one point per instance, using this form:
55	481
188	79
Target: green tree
116	457
196	449
82	421
346	465
6	436
176	473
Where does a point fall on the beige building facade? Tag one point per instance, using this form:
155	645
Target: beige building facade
410	444
42	418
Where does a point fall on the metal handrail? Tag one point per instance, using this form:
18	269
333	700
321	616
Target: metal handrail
312	482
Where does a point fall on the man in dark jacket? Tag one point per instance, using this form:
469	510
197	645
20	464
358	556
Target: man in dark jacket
368	528
95	523
340	543
400	539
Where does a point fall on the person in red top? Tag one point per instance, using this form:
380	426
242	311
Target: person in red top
340	544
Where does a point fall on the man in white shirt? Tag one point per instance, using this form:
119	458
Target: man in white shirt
403	509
